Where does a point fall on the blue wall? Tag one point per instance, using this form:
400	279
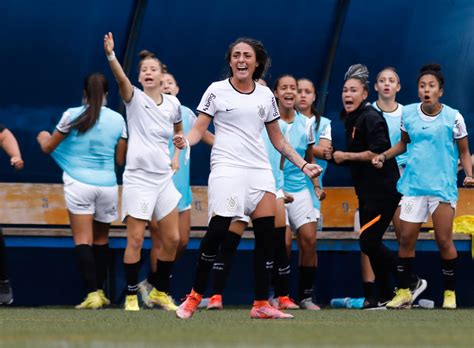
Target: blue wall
52	46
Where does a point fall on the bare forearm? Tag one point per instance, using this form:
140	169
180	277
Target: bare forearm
395	150
9	144
287	150
124	84
365	156
466	163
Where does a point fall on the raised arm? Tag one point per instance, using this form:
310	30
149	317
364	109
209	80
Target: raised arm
124	84
9	144
279	142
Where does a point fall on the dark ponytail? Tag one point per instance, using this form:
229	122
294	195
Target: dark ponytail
95	89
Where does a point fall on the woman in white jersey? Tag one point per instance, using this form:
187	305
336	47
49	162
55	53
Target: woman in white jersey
281	267
181	166
241	182
148	189
302	217
85	143
429	182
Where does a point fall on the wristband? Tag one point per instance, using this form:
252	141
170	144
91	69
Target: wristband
111	57
304	166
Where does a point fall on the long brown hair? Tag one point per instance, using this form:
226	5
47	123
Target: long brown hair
95	89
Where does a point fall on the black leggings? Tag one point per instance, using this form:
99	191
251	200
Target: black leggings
375	216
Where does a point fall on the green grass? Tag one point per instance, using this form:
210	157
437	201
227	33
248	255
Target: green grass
58	327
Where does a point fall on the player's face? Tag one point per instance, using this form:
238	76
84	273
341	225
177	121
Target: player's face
168	85
243	61
387	85
150	74
286	92
429	91
353	94
306	95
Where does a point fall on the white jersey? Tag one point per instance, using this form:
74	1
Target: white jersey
239	119
459	130
150	127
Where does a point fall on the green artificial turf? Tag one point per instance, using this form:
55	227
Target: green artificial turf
59	327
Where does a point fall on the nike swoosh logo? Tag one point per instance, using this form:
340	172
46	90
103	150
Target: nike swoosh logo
230	109
424	127
147	107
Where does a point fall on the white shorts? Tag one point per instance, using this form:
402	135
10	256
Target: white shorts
279	195
416	209
301	210
148	196
236	192
85	199
188	207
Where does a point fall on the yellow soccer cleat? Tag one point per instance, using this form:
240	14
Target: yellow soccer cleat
401	300
449	299
131	303
163	300
92	301
105	300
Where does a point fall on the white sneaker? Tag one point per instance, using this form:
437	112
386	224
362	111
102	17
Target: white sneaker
308	304
418	289
144	288
204	302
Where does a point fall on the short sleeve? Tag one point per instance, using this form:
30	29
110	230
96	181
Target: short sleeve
178	117
192	118
207	105
272	113
310	130
326	132
402	125
124	134
459	130
64	124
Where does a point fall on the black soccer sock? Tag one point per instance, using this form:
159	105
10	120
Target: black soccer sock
161	278
306	281
448	269
85	259
369	291
210	243
101	254
131	275
223	262
405	271
281	268
3	258
264	230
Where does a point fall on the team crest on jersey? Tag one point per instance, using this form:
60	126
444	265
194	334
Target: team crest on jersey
232	203
261	112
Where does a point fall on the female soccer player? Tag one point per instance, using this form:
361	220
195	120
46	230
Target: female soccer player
181	166
241	182
148	189
84	144
366	136
9	144
299	131
428	183
322	151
